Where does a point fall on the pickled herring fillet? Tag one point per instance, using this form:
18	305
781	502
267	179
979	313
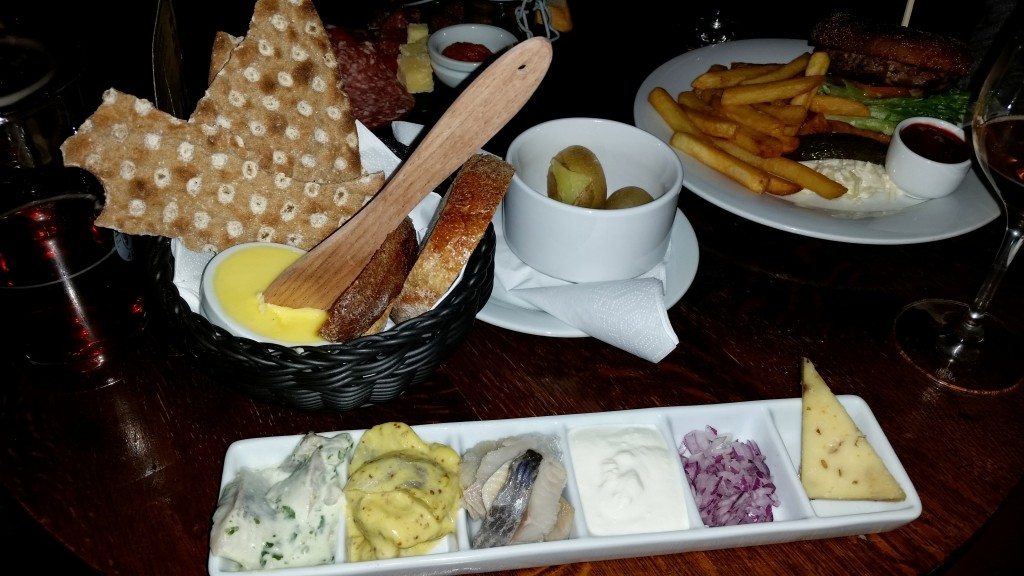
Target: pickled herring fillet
545	505
490	464
484	470
509	507
563	522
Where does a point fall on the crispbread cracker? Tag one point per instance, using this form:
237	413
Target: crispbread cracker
271	153
223	44
278	100
162	177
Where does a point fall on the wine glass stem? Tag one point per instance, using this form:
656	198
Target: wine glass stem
1011	243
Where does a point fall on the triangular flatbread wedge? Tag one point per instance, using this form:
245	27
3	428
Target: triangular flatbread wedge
836	461
278	99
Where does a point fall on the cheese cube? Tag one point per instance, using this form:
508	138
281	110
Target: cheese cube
415	73
416	32
413	48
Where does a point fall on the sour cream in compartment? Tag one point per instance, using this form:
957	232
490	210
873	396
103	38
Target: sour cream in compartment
870	191
628	479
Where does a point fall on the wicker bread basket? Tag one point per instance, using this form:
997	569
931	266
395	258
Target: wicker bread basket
367	370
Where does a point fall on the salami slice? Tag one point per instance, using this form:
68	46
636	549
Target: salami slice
376	95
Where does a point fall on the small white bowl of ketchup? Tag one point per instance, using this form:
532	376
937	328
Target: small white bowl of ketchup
458	50
927	158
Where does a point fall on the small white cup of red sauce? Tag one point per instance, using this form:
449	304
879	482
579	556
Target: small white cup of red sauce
927	157
458	50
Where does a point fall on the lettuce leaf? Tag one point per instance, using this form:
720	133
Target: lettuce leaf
886	113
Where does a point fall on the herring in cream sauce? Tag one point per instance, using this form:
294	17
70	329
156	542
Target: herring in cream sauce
288	515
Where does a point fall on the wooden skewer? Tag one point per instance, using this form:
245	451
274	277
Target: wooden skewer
906	13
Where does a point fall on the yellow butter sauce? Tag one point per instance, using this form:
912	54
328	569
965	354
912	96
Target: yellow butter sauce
239	283
402	494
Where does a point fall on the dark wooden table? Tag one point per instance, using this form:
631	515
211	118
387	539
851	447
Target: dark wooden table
122	467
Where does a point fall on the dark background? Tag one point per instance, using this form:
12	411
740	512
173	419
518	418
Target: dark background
111	41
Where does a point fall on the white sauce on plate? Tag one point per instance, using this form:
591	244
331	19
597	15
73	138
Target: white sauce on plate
629	480
870	191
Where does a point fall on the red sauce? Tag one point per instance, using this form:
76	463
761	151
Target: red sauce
467	52
935	143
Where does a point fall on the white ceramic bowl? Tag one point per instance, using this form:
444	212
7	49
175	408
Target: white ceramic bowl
449	77
211	306
451	71
920	176
584	244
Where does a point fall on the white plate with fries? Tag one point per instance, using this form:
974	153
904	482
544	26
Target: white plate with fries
966	209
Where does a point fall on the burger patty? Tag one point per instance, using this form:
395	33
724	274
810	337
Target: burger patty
887	72
888	54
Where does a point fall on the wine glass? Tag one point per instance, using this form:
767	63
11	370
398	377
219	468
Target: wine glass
713	26
962	346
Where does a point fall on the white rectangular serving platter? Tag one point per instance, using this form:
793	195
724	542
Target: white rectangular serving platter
773	424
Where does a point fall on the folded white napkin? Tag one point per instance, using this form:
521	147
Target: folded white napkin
188	272
628	314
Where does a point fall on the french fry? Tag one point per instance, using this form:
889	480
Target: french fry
708	94
762	144
732	76
758	143
790	142
705	117
815	124
751	177
792	68
787	169
838	106
785	113
670	111
816	66
712	124
741	120
747	115
691	99
769	91
779	187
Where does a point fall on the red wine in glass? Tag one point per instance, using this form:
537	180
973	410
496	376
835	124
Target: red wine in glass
70	295
1003	141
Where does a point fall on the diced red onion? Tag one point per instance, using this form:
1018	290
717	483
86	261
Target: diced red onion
730	479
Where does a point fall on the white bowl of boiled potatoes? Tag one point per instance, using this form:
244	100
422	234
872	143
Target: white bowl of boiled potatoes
591	200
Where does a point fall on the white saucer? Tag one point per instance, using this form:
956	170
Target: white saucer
505	310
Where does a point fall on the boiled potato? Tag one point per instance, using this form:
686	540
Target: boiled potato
576	177
627	197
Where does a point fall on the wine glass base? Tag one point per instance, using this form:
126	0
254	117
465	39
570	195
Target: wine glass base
926	335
